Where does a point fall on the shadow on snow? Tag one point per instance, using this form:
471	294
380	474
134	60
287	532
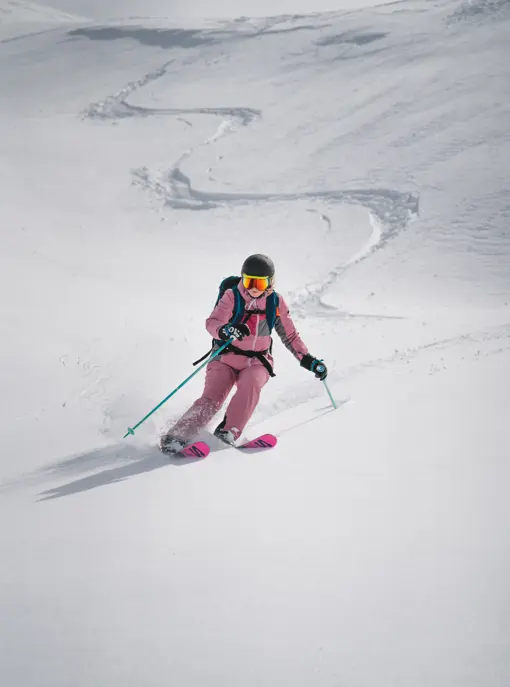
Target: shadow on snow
119	463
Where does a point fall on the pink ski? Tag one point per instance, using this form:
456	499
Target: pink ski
197	449
263	441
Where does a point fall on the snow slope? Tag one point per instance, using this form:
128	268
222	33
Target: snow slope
143	158
19	19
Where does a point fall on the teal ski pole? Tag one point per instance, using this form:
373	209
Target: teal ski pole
131	430
321	368
330	395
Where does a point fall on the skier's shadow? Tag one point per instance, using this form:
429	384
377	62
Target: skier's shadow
118	462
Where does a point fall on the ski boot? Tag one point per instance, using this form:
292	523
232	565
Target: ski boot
226	436
171	445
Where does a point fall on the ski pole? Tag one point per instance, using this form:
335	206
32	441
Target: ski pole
330	395
131	430
321	368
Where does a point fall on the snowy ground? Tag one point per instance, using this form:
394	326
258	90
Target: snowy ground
145	151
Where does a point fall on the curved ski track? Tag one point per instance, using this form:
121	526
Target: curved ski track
390	210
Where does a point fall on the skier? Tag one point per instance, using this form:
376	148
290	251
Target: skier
247	362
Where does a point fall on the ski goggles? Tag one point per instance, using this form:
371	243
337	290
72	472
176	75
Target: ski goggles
260	283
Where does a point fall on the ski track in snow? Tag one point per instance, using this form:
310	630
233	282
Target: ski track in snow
478	344
480	11
498	334
390	210
310	299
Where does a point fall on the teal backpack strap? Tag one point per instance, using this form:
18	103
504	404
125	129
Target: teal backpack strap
226	284
238	311
272	303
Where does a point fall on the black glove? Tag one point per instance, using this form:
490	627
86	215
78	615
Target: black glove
238	331
315	366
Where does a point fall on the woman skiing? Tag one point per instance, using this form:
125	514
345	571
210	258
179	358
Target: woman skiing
246	313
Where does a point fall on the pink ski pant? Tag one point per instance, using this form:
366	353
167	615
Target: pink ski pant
249	376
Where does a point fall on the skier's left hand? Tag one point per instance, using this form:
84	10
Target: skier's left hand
316	366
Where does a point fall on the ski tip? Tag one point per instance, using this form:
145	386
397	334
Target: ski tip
199	449
263	441
269	438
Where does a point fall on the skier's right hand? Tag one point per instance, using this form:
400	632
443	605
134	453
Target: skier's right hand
236	331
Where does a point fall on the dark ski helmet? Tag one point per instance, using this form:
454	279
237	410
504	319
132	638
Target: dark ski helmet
258	266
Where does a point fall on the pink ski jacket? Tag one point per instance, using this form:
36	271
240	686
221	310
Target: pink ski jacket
259	338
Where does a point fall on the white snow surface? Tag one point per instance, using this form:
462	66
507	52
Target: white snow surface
146	150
